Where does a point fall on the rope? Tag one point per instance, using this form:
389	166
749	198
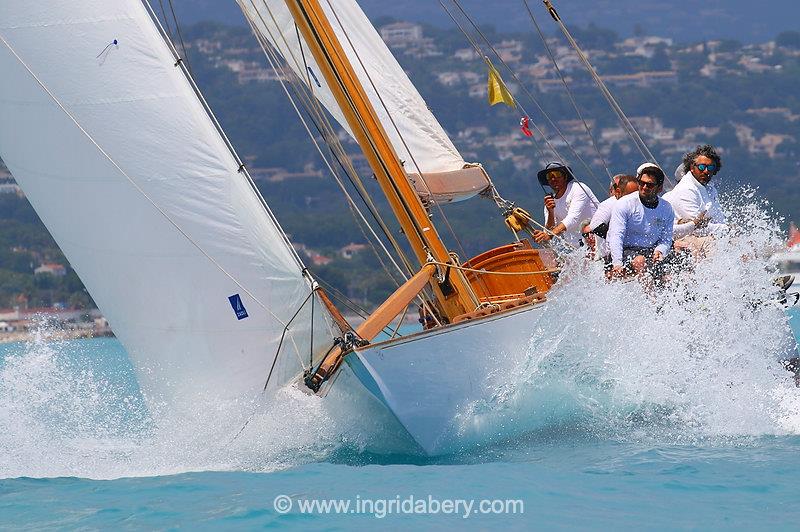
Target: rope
486	272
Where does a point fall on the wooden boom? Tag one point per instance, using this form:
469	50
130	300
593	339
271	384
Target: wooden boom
374	324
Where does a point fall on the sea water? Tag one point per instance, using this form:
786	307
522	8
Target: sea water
665	409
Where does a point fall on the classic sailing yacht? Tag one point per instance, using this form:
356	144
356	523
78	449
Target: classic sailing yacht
114	145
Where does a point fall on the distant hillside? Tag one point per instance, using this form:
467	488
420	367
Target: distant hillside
686	21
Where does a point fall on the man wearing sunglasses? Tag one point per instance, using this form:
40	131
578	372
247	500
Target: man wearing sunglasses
695	198
570	203
640	232
622	185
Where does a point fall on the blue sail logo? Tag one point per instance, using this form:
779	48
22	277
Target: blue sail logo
238	306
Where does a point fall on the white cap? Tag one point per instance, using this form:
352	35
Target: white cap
679	172
646	165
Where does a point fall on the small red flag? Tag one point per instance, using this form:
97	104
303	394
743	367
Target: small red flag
524	122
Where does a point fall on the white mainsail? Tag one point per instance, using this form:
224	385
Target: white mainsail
121	160
412	128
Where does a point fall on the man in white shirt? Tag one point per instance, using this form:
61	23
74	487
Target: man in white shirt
571	203
598	225
695	199
640	232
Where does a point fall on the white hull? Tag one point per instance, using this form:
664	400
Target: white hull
433	382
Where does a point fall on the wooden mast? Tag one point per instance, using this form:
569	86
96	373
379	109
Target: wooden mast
455	295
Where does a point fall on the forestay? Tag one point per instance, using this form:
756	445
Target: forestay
127	170
397	101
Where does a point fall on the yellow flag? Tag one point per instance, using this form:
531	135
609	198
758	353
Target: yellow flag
498	92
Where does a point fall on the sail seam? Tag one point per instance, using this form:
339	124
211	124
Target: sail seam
228	144
66	23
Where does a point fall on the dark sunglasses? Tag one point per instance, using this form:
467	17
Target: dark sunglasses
556	174
647	184
707	167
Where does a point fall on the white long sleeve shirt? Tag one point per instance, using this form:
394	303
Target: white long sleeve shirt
602	216
576	205
688	199
634	225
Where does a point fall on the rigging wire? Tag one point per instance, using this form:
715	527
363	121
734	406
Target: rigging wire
397	129
273	61
415	224
312	105
624	120
480	53
547	142
566	87
273	64
530	95
334	154
180	36
166	20
349	198
349	303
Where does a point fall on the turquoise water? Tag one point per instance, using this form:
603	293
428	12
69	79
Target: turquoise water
79	450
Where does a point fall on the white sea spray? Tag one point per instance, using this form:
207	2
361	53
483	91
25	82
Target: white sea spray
700	358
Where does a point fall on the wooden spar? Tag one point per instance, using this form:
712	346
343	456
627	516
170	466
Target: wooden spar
374	323
338	318
371	136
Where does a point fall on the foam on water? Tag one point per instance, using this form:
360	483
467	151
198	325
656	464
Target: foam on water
66	412
698	361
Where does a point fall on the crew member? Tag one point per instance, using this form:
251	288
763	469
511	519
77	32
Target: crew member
695	199
570	203
640	232
622	185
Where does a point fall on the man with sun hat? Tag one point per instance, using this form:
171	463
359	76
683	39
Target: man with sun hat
567	207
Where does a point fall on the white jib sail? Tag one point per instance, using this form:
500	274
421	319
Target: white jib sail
126	169
417	131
